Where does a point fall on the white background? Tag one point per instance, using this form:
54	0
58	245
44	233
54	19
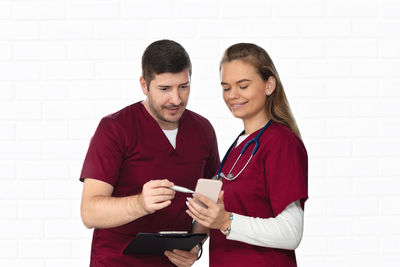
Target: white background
64	64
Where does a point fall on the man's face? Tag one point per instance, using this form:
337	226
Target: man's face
167	97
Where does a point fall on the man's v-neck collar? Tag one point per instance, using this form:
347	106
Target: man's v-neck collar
165	141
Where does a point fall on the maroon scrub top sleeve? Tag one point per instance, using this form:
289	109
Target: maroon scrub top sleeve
213	160
287	172
105	152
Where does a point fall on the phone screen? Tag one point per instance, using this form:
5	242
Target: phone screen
209	188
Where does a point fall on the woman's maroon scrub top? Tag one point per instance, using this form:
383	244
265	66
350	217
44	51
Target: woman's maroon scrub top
129	149
275	177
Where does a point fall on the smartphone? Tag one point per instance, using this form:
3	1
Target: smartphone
209	188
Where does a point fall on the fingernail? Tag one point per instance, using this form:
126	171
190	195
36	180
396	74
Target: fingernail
188	198
187	211
187	203
194	195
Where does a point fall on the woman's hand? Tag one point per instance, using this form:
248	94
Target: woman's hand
213	216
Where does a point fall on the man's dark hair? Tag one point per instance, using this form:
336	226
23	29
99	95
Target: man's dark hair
164	56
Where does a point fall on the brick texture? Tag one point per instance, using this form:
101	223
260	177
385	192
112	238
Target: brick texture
66	64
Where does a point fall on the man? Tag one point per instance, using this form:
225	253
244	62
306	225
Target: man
137	154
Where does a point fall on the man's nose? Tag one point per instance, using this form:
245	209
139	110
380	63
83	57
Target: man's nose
175	98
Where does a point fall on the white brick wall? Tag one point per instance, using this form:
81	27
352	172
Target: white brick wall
65	64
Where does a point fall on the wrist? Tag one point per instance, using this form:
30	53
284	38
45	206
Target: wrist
135	207
226	226
226	222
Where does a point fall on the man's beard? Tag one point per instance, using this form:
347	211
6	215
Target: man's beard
159	114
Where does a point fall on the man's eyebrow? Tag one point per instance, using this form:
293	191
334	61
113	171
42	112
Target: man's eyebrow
186	83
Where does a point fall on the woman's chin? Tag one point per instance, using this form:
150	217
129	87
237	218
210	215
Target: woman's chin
237	114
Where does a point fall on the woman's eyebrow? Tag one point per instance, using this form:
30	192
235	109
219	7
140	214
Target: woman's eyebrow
243	80
240	81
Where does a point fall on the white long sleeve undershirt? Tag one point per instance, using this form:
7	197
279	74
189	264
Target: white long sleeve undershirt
283	231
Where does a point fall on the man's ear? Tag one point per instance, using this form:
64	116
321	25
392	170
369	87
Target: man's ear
270	85
143	84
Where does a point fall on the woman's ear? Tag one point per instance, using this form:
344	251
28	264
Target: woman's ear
270	85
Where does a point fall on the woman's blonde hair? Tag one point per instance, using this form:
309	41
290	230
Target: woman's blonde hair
278	109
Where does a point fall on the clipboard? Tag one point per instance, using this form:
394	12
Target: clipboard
157	243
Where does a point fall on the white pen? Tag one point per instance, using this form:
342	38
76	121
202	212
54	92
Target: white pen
182	189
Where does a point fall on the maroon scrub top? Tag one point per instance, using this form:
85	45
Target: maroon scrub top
129	149
275	177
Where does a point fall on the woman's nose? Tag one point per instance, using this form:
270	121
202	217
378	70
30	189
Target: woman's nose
233	93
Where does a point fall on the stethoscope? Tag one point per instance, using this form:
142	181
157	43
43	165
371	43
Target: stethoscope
255	140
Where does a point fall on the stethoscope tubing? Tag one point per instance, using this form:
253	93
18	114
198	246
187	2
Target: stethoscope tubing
255	140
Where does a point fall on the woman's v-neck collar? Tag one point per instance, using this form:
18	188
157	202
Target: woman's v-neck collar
247	139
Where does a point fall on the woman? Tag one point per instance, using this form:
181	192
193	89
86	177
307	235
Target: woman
258	220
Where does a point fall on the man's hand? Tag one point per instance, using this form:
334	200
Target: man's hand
156	195
182	258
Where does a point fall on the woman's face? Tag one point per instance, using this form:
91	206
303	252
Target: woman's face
244	91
